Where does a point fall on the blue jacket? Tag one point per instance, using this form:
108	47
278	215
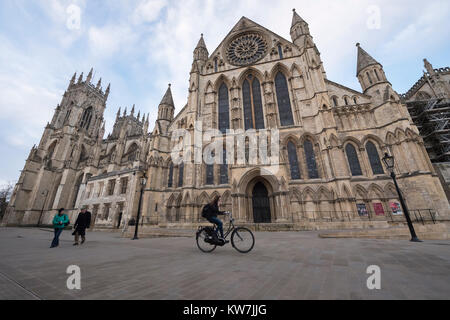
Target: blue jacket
64	219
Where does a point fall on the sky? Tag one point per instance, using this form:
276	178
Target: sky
140	46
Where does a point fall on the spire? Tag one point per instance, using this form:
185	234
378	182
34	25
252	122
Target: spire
167	99
72	81
125	112
89	77
201	52
299	31
80	79
364	60
132	111
118	113
296	19
99	83
139	115
107	91
201	43
429	67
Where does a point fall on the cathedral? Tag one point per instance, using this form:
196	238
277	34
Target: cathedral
330	141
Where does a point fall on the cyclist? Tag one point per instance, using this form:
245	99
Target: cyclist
210	213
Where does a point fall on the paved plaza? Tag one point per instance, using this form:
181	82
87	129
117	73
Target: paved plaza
285	265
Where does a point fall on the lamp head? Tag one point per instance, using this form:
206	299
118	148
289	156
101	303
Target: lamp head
389	161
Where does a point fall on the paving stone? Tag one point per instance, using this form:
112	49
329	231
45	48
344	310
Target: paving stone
173	268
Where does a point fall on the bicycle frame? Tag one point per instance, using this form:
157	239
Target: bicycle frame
231	227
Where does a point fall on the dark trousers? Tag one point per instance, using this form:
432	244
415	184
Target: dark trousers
217	222
80	232
55	241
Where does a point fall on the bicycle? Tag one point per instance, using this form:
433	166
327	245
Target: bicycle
242	239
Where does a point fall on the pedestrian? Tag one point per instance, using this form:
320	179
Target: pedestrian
83	222
60	221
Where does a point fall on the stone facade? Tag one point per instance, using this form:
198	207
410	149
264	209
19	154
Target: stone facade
331	140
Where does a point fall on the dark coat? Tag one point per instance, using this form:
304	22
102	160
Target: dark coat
83	220
211	211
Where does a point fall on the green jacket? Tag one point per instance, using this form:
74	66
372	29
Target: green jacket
60	218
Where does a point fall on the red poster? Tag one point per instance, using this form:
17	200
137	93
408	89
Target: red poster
378	207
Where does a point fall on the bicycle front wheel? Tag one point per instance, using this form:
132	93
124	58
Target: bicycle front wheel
202	244
243	240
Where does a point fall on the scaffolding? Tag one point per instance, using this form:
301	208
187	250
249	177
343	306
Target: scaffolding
432	118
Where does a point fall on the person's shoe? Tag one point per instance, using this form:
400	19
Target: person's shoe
83	241
75	244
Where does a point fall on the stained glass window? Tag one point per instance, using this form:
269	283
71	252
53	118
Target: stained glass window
253	109
224	112
257	105
248	114
284	102
311	163
293	161
353	160
374	158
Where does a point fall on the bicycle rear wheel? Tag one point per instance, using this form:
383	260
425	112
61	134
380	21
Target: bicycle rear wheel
202	244
242	240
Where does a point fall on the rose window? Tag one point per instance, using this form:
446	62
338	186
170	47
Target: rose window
246	49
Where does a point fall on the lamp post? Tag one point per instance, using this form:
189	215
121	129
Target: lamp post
389	162
143	181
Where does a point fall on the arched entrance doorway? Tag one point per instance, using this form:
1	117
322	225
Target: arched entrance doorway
261	204
257	188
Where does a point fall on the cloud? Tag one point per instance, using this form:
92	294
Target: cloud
148	11
108	40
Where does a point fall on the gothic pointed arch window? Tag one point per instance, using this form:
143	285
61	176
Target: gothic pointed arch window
368	77
374	158
132	152
311	163
209	174
224	168
51	150
181	175
86	118
376	74
353	161
280	51
335	102
253	109
284	102
224	109
293	161
170	182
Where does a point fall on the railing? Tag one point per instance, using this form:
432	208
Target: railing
417	216
422	216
